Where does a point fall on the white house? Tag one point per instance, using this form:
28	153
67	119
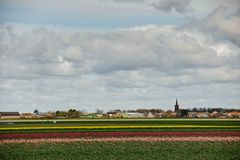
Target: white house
150	115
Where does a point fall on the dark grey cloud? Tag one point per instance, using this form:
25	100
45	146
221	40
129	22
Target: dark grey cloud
181	6
221	25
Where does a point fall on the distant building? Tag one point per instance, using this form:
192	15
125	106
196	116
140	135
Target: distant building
6	115
150	115
159	115
216	114
135	115
233	114
192	114
176	106
122	115
27	115
180	112
112	114
202	114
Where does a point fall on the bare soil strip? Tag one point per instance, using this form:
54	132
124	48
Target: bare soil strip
121	139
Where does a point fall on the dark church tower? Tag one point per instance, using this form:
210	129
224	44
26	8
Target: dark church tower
176	106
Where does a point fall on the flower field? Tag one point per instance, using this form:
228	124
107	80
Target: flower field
155	139
122	139
121	150
119	134
116	127
120	125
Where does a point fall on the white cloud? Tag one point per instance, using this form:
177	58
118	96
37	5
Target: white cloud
222	50
143	65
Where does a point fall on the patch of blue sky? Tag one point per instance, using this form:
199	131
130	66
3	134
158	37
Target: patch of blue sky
88	22
94	19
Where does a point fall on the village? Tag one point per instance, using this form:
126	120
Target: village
117	113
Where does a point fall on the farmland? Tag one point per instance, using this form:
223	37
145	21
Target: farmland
120	139
122	150
119	125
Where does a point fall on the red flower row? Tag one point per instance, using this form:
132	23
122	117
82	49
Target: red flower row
117	134
120	139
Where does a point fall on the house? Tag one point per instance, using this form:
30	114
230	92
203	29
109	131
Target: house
233	114
169	114
150	115
216	114
6	115
202	115
112	114
192	115
173	114
27	115
159	115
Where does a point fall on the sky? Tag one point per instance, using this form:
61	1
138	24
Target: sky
119	54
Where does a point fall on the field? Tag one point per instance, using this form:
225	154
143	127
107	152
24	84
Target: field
120	139
118	125
123	150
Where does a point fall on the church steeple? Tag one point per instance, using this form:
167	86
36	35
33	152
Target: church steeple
176	106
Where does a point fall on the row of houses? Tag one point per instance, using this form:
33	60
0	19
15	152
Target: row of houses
215	114
16	115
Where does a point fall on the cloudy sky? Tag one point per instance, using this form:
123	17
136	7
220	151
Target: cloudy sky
127	54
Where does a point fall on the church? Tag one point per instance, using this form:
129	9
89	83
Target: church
180	112
176	106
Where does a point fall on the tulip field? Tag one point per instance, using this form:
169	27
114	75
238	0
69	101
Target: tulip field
120	139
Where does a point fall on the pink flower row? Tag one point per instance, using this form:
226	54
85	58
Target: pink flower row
117	134
122	139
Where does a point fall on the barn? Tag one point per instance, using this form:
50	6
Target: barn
6	115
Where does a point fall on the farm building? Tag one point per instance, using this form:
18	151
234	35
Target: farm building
116	115
5	115
135	115
122	115
27	115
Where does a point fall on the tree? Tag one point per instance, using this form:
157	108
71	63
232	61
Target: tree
194	109
99	111
117	110
72	113
36	112
61	114
184	113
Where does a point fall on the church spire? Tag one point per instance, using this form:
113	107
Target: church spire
176	106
